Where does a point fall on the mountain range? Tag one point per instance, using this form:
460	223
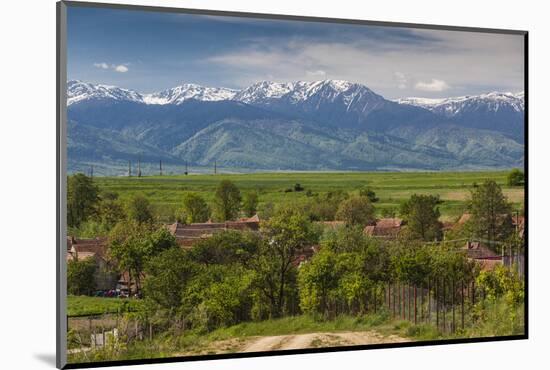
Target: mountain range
321	125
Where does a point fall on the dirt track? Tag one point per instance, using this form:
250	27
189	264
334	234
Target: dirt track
312	340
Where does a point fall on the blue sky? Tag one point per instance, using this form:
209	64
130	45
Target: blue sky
152	51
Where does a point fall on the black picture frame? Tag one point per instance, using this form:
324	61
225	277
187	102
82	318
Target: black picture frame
61	186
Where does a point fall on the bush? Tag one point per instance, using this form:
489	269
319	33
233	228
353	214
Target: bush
515	178
80	276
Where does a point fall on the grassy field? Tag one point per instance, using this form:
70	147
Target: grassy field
166	192
84	305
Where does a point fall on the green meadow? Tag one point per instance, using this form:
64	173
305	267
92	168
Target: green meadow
166	192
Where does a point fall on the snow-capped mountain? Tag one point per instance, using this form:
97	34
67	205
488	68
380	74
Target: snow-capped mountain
179	94
329	124
78	91
503	112
451	107
300	91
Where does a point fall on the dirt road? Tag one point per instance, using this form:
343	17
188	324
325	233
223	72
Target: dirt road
314	340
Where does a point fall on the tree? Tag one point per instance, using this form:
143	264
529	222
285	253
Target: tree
490	212
250	203
82	199
422	216
195	208
139	209
226	247
286	233
356	211
227	201
168	274
80	276
132	244
515	178
369	193
111	210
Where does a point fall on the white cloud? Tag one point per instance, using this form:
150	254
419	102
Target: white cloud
117	68
121	68
101	65
464	63
433	85
318	73
401	79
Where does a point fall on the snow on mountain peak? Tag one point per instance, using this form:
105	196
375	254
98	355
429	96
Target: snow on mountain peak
184	92
79	91
492	101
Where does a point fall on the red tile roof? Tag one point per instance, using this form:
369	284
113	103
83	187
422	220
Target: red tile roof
385	227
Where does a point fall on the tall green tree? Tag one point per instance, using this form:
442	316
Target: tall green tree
422	216
490	212
195	207
250	203
369	193
515	178
80	276
139	209
356	211
133	244
227	201
82	199
168	274
286	233
111	210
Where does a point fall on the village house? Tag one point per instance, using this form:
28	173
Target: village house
187	235
385	228
96	249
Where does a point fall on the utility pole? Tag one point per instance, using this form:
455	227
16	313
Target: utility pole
186	172
215	167
129	168
139	167
160	167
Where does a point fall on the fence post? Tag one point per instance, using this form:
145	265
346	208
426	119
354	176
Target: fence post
462	302
399	298
444	308
409	301
422	303
453	304
404	304
394	300
374	300
429	302
437	293
415	304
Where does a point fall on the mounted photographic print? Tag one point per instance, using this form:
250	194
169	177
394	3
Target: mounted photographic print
236	185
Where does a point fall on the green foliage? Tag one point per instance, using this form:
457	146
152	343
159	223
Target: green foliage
515	178
422	217
356	211
250	203
220	296
167	275
490	213
286	233
132	244
226	248
369	193
80	276
84	305
139	209
227	201
82	199
195	208
502	282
